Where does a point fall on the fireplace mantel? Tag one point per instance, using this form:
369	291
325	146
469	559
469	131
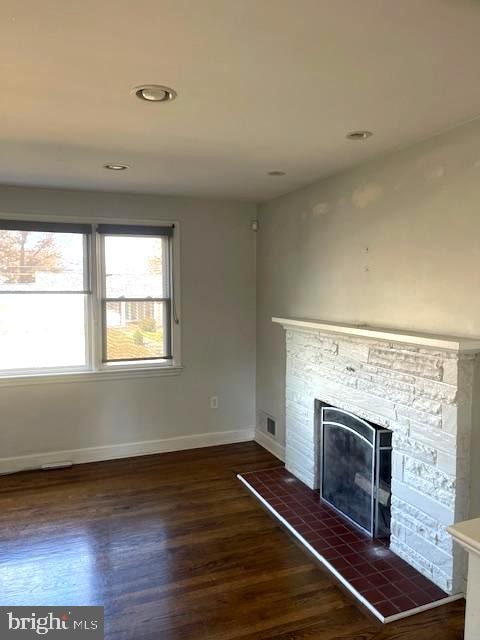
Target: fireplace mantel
432	341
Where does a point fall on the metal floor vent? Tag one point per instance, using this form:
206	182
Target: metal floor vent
271	426
266	423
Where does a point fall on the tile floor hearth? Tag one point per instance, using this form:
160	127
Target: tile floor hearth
382	581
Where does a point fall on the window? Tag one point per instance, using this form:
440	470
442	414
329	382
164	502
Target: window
79	297
136	300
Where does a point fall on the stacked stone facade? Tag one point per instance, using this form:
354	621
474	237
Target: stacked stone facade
424	396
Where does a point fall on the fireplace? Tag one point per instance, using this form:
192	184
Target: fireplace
421	388
355	468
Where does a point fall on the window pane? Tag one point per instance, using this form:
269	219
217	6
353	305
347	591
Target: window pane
38	261
135	330
135	267
42	330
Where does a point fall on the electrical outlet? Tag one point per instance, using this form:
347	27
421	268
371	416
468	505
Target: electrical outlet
214	402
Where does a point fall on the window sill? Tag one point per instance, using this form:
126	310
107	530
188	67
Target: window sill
88	376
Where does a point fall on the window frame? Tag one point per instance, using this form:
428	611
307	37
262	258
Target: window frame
94	367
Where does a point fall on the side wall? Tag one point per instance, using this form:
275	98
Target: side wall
218	343
392	243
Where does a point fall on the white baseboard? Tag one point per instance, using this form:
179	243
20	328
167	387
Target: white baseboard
126	450
270	444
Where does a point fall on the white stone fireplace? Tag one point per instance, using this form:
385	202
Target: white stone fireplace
420	387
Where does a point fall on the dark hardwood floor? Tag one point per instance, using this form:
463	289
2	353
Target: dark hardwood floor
174	547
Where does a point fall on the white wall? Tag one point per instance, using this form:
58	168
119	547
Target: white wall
218	337
394	243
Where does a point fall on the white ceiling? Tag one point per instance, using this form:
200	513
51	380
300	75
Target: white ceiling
262	85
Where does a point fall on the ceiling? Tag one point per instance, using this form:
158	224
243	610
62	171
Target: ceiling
262	85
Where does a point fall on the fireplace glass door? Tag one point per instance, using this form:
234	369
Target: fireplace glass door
350	467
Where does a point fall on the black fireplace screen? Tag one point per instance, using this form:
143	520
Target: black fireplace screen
356	470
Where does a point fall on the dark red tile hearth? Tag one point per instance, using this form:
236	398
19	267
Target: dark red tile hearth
368	567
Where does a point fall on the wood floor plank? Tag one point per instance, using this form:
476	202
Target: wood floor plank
174	547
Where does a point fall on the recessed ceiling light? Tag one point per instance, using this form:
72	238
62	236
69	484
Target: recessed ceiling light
276	173
359	135
155	93
116	167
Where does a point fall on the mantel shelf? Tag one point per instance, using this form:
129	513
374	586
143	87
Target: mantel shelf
467	534
432	341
